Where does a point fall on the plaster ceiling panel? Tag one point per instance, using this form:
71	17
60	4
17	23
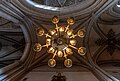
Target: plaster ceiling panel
70	76
92	38
106	28
105	56
108	17
62	69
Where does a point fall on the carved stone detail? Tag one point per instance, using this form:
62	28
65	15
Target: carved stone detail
111	42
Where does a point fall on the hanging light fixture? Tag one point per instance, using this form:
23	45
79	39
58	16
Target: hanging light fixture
60	41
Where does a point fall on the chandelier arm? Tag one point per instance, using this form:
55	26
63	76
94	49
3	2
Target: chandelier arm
73	47
47	35
65	55
67	28
57	27
54	54
45	45
73	36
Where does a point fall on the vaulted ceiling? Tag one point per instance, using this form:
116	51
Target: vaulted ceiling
19	20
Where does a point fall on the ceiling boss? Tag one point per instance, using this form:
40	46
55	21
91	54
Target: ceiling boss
60	41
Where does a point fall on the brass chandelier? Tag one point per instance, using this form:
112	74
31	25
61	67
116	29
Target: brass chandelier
60	41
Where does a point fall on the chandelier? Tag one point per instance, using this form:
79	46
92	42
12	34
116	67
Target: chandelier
60	41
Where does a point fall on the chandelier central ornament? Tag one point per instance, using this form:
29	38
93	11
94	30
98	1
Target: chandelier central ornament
60	41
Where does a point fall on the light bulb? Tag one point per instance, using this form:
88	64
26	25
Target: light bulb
69	32
73	42
81	33
61	29
60	54
55	19
68	63
40	31
37	47
82	50
48	41
69	51
52	31
52	63
70	21
51	50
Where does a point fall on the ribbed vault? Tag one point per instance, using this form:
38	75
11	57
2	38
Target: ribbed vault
95	17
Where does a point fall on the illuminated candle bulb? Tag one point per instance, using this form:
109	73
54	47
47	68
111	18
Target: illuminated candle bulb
81	33
69	32
52	31
37	47
68	63
51	50
55	19
73	42
60	54
40	31
69	51
48	41
52	63
61	29
82	50
70	21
